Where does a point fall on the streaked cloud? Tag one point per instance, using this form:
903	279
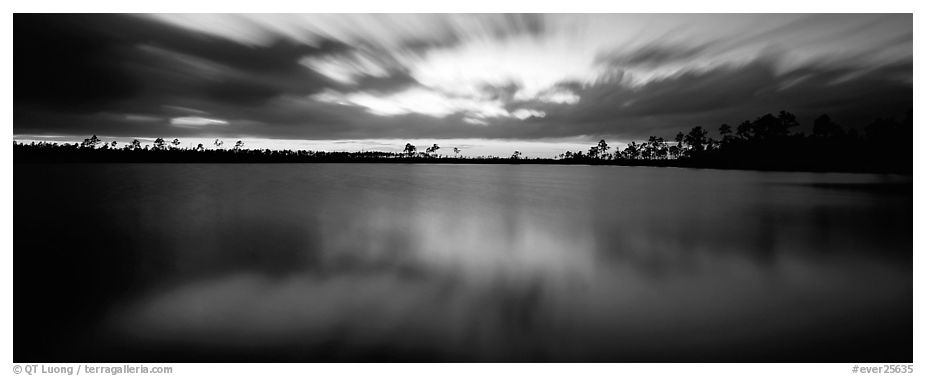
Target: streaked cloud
523	113
195	121
345	68
142	118
482	76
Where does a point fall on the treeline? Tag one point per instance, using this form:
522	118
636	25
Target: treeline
95	150
766	142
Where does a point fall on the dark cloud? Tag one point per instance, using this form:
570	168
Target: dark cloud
98	63
61	64
396	80
503	93
652	54
242	91
517	24
735	93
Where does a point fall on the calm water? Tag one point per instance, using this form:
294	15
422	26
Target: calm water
309	262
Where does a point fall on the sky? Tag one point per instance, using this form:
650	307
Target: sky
487	83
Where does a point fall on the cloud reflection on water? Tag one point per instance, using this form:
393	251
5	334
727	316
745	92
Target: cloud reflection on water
515	262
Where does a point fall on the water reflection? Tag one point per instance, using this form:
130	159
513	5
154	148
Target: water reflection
563	263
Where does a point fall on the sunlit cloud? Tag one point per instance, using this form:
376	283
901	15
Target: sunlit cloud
417	100
532	65
182	109
195	121
523	113
345	69
473	121
559	96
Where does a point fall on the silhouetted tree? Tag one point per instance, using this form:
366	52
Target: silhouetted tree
762	127
646	150
175	143
410	149
725	129
516	155
744	130
767	127
726	133
696	139
602	148
456	151
825	128
632	151
160	144
239	145
136	145
660	150
91	142
200	147
679	143
782	128
218	144
616	154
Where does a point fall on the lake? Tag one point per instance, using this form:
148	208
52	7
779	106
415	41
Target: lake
412	262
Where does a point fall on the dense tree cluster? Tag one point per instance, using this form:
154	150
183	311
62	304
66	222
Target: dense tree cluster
768	142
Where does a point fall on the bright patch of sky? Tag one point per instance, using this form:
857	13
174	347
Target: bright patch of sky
468	58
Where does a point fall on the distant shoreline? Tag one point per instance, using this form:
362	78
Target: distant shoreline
763	144
36	156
